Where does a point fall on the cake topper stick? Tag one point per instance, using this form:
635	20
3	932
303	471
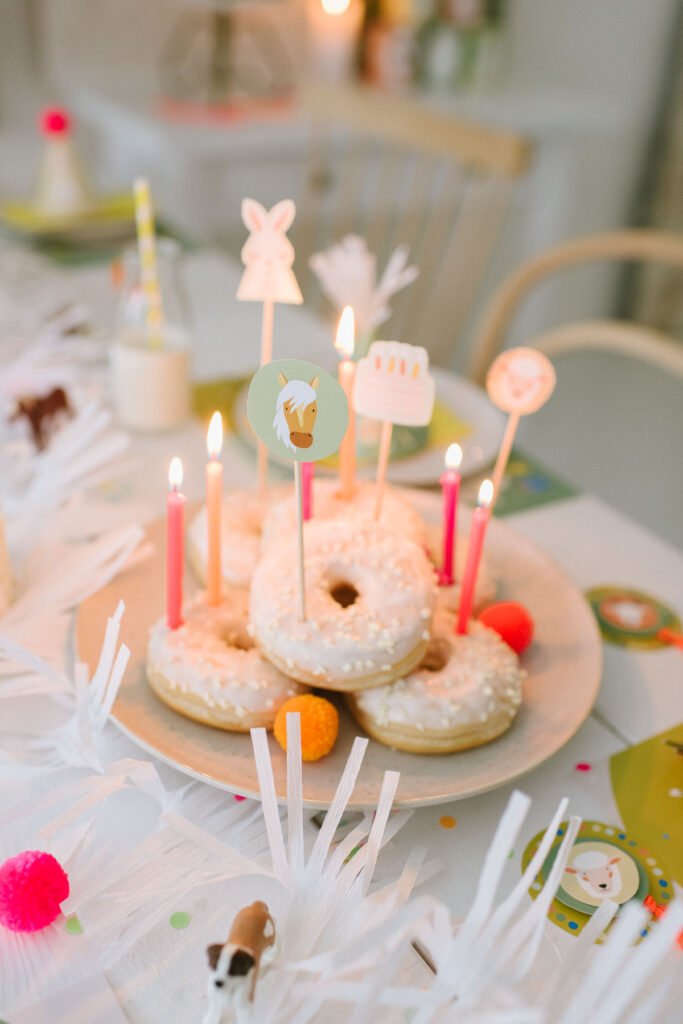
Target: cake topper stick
268	277
382	464
393	385
520	381
300	413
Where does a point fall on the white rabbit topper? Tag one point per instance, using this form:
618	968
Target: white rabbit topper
268	254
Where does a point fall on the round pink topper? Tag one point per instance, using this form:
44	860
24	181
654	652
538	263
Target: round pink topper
520	381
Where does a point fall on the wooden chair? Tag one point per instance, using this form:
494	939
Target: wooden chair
612	427
647	246
394	171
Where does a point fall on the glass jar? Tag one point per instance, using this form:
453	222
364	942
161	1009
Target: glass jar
150	374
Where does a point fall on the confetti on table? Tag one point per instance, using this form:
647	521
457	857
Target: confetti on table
583	766
446	821
180	919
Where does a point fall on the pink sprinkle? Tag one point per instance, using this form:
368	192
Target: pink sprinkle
238	798
583	766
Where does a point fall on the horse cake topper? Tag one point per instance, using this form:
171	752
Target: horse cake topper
299	413
268	254
297	410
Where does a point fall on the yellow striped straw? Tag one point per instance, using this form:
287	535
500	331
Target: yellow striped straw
144	219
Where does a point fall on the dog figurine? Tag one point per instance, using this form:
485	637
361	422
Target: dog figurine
235	964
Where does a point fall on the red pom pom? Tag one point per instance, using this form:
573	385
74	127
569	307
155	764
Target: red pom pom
512	622
32	886
55	121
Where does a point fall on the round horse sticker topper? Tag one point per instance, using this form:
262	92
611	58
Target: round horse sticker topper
520	381
298	410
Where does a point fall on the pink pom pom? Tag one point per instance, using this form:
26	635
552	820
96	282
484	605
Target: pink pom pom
32	886
55	121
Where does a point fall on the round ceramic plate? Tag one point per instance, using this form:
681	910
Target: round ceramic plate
463	413
563	676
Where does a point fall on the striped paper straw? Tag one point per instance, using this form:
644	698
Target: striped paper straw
144	219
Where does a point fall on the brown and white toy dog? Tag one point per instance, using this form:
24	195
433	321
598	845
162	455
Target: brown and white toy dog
235	964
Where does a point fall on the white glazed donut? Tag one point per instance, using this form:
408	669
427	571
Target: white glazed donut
369	602
210	670
241	524
466	692
486	585
398	513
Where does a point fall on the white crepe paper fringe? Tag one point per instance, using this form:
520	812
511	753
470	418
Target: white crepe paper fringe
83	454
40	617
347	273
74	743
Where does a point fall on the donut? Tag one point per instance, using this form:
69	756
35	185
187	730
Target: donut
210	670
241	523
466	692
369	601
486	585
398	514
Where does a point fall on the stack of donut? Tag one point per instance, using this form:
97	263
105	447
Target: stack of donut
378	628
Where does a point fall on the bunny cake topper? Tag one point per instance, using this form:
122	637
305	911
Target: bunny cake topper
268	277
268	254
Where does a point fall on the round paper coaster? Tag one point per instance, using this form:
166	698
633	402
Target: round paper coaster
631	618
604	863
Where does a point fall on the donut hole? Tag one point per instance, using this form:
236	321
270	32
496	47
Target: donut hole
237	637
344	593
436	656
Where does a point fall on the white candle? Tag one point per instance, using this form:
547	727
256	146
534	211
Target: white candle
334	29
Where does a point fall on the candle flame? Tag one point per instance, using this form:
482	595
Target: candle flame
335	7
453	456
486	494
175	473
214	436
346	331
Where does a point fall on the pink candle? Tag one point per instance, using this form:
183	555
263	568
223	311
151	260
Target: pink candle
307	474
450	485
214	503
480	518
175	542
344	343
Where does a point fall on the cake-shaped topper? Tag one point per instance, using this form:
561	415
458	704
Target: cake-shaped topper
394	385
268	254
520	381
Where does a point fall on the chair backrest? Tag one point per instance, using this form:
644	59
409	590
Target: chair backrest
639	245
396	172
614	424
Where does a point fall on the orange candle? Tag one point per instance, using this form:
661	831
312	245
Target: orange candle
475	546
214	500
344	343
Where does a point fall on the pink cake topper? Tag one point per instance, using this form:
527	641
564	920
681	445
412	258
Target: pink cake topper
268	254
520	381
393	384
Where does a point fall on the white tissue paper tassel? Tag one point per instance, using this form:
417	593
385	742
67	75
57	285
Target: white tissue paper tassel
74	742
347	273
84	453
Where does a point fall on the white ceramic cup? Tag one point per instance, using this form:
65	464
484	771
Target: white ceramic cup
150	386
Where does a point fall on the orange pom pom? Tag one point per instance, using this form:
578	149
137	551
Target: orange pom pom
319	725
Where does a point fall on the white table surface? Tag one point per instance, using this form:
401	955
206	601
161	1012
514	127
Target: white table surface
641	692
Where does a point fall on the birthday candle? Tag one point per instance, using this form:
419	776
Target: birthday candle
144	219
214	500
450	485
344	343
175	543
480	519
